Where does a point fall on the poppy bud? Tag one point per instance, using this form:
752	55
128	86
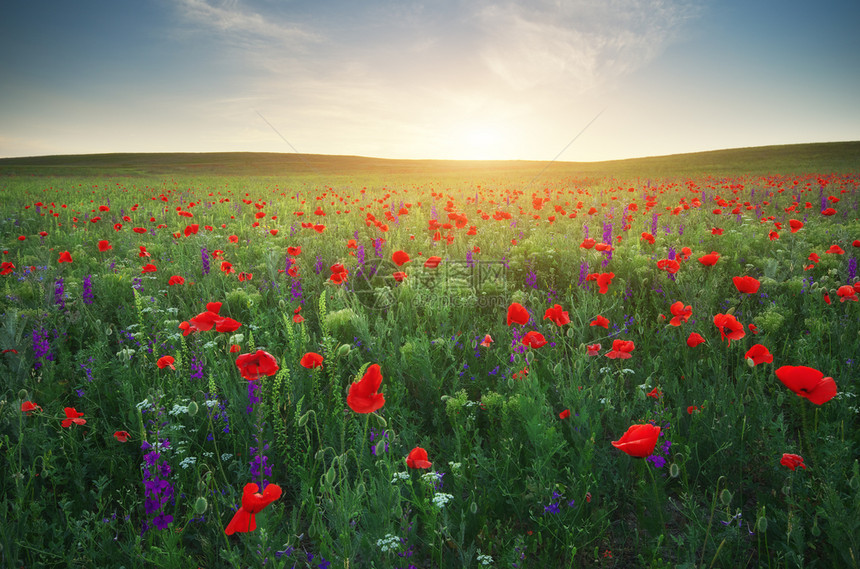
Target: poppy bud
473	508
725	497
570	332
529	357
750	362
815	531
761	524
22	394
557	369
329	476
200	505
344	350
192	410
674	470
282	304
730	310
303	420
380	447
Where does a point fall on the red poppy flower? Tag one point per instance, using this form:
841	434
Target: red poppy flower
621	350
856	243
104	245
227	267
6	268
65	257
233	239
432	262
73	416
400	258
165	361
587	243
835	250
727	322
792	461
364	396
671	266
176	280
294	251
487	341
647	237
745	284
694	339
603	281
121	436
602	247
557	315
808	382
758	354
795	225
593	350
716	231
601	321
243	276
681	313
564	414
846	292
829	211
399	276
518	314
655	393
685	253
149	268
826	298
338	273
252	503
534	340
226	325
710	259
418	458
28	407
311	360
692	409
639	440
773	235
253	366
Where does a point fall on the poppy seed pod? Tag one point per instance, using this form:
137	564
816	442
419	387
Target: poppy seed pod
200	505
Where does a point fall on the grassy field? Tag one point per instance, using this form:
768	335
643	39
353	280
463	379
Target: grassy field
643	363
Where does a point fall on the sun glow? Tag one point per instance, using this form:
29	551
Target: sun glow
479	142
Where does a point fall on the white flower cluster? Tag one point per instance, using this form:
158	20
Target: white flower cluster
431	478
484	559
441	498
188	461
226	456
388	543
399	476
178	409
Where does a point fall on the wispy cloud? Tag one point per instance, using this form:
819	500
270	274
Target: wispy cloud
580	44
241	20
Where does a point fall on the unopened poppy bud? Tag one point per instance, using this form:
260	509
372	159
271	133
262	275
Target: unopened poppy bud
43	473
761	524
22	394
569	332
750	362
674	471
200	505
529	357
557	369
815	531
329	476
854	482
303	420
725	497
193	408
731	310
344	350
474	508
380	447
320	454
282	304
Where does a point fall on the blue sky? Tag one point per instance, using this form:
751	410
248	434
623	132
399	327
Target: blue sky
443	79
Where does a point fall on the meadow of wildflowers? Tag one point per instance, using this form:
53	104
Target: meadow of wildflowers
216	371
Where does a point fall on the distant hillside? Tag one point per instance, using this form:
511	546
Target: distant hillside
831	157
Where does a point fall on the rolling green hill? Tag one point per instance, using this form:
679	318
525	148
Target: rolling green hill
832	157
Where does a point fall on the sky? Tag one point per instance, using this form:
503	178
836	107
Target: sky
570	80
